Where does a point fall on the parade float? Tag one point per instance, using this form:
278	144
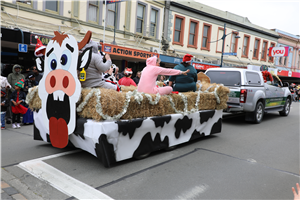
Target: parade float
111	125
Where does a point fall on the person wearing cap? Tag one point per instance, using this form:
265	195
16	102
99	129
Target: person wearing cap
18	100
185	83
30	82
4	105
147	82
127	81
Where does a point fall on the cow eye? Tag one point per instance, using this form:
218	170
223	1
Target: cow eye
63	59
66	60
53	64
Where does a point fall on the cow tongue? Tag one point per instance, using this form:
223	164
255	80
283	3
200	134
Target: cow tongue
58	130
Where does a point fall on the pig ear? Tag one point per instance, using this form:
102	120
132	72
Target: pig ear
39	64
85	59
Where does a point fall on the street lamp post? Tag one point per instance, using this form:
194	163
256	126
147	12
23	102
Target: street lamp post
223	38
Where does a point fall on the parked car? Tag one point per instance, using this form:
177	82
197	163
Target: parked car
250	94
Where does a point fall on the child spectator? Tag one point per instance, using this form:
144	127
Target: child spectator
127	81
18	101
4	105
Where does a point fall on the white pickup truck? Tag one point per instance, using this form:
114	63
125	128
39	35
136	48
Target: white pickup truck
250	94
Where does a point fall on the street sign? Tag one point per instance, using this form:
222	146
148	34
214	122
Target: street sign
22	48
229	54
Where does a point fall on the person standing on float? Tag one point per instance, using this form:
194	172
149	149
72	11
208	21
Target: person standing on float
147	82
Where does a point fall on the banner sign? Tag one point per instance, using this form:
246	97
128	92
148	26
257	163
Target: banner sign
279	51
127	52
203	66
113	1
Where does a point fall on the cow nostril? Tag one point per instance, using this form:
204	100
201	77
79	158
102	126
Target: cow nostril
65	82
52	81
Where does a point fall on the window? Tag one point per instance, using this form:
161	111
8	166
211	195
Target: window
193	34
264	51
75	9
178	30
140	18
280	60
271	59
206	36
153	22
111	11
285	59
228	78
234	43
256	49
220	42
52	5
246	46
93	10
24	1
299	62
253	78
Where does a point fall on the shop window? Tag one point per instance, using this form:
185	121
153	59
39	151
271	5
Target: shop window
206	34
140	18
271	59
153	22
111	13
93	11
193	34
264	51
234	42
178	30
256	48
52	5
246	46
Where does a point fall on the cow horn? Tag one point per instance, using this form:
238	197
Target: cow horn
85	40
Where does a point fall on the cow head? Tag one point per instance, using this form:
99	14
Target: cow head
60	89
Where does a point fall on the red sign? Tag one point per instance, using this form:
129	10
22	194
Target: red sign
279	51
203	66
127	52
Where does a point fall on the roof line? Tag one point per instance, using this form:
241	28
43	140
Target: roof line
222	19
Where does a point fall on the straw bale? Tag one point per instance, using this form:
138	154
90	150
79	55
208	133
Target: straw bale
128	88
159	84
113	102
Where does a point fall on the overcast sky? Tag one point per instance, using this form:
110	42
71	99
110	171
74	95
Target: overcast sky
283	15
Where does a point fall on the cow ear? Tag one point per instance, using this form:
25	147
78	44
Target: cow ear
85	59
39	64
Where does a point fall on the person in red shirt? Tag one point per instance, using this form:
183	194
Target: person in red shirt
127	81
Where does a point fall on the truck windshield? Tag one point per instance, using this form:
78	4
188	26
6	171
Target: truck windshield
227	78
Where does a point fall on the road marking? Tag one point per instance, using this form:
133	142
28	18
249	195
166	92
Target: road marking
60	180
194	192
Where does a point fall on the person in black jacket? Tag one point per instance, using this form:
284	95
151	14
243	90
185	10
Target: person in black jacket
4	105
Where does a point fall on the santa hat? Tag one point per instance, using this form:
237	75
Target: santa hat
128	71
39	48
3	91
187	58
20	83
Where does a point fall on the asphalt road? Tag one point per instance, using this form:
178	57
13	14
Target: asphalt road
244	161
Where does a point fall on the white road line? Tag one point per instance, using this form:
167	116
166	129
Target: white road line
194	192
60	180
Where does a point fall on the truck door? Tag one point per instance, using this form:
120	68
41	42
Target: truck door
271	95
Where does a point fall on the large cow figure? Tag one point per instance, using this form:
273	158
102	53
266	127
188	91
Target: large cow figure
60	89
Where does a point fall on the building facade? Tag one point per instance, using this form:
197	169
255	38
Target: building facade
195	28
130	24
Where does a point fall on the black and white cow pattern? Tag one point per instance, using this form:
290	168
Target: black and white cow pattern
113	141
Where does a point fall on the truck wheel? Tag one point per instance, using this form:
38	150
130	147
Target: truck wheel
259	112
286	110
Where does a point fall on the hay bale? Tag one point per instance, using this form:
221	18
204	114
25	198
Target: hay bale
203	78
113	102
128	88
